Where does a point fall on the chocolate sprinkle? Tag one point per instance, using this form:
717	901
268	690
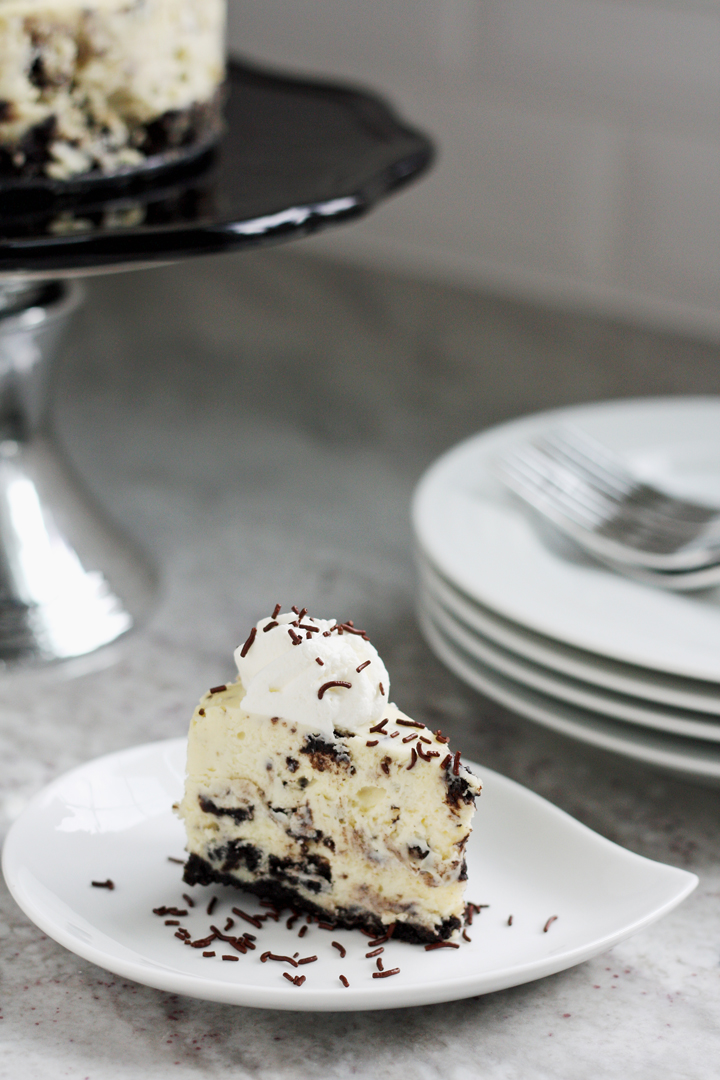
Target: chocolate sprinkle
362	666
548	924
382	689
465	936
379	728
296	639
375	952
343	980
379	964
409	723
413	757
440	737
293	608
372	742
171	858
333	682
456	764
307	960
283	959
446	761
110	885
172	922
340	948
510	920
287	976
442	945
426	755
319	661
385	974
303	931
219	689
188	900
409	738
385	765
326	925
269	626
228	956
248	918
211	906
208	954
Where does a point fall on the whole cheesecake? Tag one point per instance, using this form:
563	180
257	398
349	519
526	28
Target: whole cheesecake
100	86
307	787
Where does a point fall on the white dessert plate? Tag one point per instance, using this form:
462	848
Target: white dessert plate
689	725
482	541
689	758
670	690
112	819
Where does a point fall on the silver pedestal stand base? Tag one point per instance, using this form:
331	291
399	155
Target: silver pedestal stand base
69	583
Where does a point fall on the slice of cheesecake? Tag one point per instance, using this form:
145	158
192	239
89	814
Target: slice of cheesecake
307	787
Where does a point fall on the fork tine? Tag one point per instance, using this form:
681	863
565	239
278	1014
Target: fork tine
595	458
572	488
594	475
541	492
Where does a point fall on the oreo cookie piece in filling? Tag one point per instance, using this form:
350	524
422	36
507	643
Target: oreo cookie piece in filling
305	786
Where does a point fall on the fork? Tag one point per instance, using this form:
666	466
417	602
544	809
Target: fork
635	527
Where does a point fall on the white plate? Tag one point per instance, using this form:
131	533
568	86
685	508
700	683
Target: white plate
688	758
484	544
616	706
112	818
668	690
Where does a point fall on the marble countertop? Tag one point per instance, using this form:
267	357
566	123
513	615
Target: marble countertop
258	423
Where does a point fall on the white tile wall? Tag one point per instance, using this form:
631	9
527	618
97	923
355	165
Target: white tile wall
580	141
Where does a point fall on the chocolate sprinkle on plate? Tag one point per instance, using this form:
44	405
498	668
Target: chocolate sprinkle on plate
171	858
303	931
188	900
340	948
211	906
548	924
343	980
110	885
385	974
228	956
510	920
375	952
442	945
248	918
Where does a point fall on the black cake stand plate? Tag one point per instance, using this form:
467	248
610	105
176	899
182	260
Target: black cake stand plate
295	156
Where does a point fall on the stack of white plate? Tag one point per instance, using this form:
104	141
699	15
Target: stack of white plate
526	618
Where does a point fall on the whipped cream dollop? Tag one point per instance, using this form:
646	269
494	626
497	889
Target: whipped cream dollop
318	673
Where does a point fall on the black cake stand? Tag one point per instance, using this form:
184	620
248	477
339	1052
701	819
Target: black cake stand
296	156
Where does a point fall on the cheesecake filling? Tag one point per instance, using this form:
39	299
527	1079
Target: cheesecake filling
307	786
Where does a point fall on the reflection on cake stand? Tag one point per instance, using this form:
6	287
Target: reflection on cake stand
296	156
